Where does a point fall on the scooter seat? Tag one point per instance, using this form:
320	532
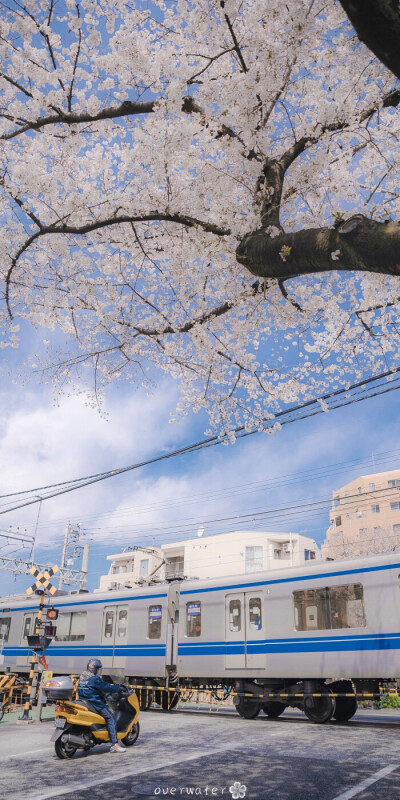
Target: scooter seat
86	704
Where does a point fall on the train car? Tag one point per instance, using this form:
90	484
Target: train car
130	631
305	634
310	630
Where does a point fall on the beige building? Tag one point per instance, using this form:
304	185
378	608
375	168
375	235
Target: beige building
365	517
234	553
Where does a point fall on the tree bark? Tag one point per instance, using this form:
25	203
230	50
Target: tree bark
377	24
358	243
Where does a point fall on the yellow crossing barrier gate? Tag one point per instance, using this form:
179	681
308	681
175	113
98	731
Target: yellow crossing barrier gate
12	691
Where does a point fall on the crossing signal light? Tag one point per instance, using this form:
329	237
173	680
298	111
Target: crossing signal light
52	613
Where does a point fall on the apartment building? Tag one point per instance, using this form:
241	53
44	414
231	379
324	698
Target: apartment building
223	554
365	517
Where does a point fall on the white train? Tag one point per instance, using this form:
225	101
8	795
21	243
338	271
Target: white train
302	631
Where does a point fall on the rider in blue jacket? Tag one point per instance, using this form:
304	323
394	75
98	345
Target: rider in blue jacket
92	688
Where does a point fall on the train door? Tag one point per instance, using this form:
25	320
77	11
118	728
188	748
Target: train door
114	635
121	636
244	630
107	636
28	623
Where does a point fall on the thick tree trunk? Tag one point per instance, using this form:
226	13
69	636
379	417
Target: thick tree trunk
356	244
377	24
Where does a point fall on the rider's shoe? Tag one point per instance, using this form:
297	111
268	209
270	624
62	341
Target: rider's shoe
118	748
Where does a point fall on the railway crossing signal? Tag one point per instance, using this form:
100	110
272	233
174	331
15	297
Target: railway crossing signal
38	643
42	581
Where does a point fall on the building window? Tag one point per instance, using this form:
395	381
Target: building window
309	555
338	521
154	626
394	483
362	531
329	608
372	487
395	506
359	513
359	490
396	529
235	615
254	558
144	566
71	627
193	619
5	623
378	530
375	508
277	554
174	567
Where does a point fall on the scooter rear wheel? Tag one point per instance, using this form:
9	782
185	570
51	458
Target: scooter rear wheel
132	736
64	749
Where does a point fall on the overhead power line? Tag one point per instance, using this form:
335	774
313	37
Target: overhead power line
370	387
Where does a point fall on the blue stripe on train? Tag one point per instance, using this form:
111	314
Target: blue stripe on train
337	644
98	650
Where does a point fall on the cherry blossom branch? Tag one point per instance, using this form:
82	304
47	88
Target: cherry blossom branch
80	230
271	180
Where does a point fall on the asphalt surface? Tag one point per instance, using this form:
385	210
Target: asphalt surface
213	755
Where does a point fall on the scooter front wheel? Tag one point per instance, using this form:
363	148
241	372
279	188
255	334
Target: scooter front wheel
64	749
132	736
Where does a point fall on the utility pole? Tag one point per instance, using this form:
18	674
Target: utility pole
71	550
84	570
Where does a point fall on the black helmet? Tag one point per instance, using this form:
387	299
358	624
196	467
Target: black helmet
94	665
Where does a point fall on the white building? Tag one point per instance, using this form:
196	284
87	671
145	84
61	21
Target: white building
134	565
234	553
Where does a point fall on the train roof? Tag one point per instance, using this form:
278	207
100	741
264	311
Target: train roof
361	564
22	603
286	574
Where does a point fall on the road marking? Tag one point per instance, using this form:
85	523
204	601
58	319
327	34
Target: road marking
130	773
367	782
12	756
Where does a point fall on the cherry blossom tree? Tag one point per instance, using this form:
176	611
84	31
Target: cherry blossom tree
210	188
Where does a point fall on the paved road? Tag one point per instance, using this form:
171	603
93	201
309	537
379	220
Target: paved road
186	755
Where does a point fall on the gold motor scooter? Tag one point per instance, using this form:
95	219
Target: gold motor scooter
79	726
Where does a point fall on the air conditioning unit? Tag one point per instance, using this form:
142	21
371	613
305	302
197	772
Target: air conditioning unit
287	548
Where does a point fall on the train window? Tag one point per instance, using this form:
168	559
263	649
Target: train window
347	606
108	624
235	615
329	608
154	627
71	627
78	626
311	612
255	613
5	623
27	627
193	619
122	623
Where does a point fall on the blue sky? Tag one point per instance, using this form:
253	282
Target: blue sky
43	443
